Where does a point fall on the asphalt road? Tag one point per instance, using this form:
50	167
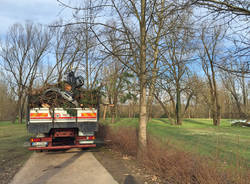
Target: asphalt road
72	167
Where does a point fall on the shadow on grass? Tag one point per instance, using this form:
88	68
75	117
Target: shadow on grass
197	122
163	120
185	121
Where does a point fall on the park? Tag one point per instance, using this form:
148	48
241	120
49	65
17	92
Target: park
147	92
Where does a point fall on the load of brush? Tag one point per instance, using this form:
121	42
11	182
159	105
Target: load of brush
65	94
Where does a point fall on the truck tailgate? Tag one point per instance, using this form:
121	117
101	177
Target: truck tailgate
58	115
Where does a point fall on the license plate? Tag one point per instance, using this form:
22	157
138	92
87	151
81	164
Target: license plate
86	142
39	144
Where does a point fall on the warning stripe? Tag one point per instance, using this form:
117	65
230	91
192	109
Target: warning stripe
33	115
46	116
64	118
88	115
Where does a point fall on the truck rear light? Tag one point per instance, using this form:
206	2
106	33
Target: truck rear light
91	138
35	139
86	137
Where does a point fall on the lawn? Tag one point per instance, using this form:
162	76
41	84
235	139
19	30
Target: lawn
13	149
228	144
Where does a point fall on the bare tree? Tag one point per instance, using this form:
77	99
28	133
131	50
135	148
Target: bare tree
22	51
91	64
117	81
154	37
192	89
237	87
68	49
134	22
135	44
164	96
175	59
235	14
236	7
209	54
116	76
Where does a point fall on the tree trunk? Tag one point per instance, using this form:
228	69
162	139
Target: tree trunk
209	113
151	92
152	84
241	113
150	104
142	134
215	110
129	110
172	112
19	107
187	105
20	114
218	113
113	114
87	58
133	109
178	105
164	109
216	98
114	109
143	120
104	112
162	106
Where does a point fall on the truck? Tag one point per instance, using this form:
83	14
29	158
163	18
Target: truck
59	126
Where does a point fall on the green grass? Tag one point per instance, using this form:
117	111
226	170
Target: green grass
13	150
228	144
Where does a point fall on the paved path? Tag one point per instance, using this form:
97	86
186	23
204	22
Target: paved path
71	167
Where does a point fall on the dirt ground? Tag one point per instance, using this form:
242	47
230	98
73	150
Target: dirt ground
125	169
9	167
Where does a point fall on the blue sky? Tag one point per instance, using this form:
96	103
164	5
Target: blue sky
38	11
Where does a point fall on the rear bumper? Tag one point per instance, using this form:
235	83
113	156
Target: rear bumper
62	147
45	127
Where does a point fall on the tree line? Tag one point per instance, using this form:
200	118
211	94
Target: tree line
181	56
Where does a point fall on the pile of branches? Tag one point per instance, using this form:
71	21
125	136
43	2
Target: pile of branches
241	123
65	94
